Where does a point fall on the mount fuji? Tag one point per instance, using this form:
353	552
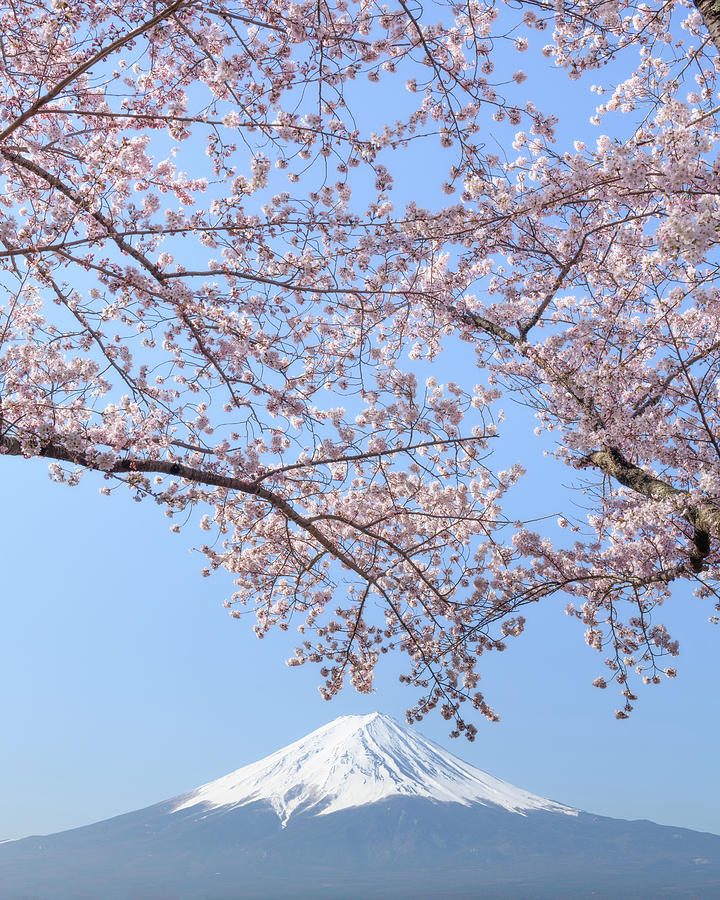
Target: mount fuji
362	808
356	761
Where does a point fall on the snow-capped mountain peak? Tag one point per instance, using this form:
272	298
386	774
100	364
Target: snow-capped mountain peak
355	761
442	828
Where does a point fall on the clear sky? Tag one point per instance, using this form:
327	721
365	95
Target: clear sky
124	682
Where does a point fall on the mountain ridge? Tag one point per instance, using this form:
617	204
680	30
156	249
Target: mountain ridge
267	832
355	761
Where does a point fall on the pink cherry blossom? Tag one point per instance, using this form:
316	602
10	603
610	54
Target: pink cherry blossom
220	291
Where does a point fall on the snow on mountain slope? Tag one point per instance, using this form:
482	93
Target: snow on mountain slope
355	761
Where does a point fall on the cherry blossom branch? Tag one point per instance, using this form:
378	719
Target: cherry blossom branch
97	57
11	446
704	517
370	454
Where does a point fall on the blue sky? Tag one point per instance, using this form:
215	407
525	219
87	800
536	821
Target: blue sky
123	681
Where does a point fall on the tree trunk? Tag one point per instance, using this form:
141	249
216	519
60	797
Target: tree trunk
710	11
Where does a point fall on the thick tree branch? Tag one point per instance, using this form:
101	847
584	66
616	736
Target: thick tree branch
11	446
710	11
705	517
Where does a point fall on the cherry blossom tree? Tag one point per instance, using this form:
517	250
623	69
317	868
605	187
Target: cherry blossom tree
240	241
